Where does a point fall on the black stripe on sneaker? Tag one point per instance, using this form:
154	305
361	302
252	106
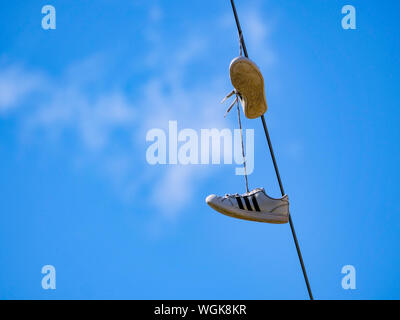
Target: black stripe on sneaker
239	201
255	203
248	205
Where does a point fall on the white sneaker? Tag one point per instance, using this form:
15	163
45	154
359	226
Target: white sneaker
248	82
254	206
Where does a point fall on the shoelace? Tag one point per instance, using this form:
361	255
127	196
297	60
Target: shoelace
234	90
230	94
240	127
227	196
230	197
237	95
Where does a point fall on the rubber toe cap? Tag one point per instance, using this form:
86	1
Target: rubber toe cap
211	198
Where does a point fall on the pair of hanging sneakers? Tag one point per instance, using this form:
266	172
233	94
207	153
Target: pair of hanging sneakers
256	205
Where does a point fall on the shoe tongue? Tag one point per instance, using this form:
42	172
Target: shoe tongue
262	190
254	191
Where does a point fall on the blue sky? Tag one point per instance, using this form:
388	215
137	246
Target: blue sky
78	194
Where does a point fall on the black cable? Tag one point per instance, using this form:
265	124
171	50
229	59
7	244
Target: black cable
274	162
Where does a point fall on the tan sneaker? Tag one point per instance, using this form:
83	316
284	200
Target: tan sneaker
248	82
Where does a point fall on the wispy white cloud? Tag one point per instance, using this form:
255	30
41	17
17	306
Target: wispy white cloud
93	118
257	29
110	125
15	85
155	13
258	32
173	191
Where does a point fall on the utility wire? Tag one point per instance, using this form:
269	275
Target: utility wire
274	162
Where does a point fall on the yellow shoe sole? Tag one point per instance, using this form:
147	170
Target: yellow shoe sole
247	79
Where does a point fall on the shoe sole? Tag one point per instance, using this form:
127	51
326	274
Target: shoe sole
268	218
249	82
